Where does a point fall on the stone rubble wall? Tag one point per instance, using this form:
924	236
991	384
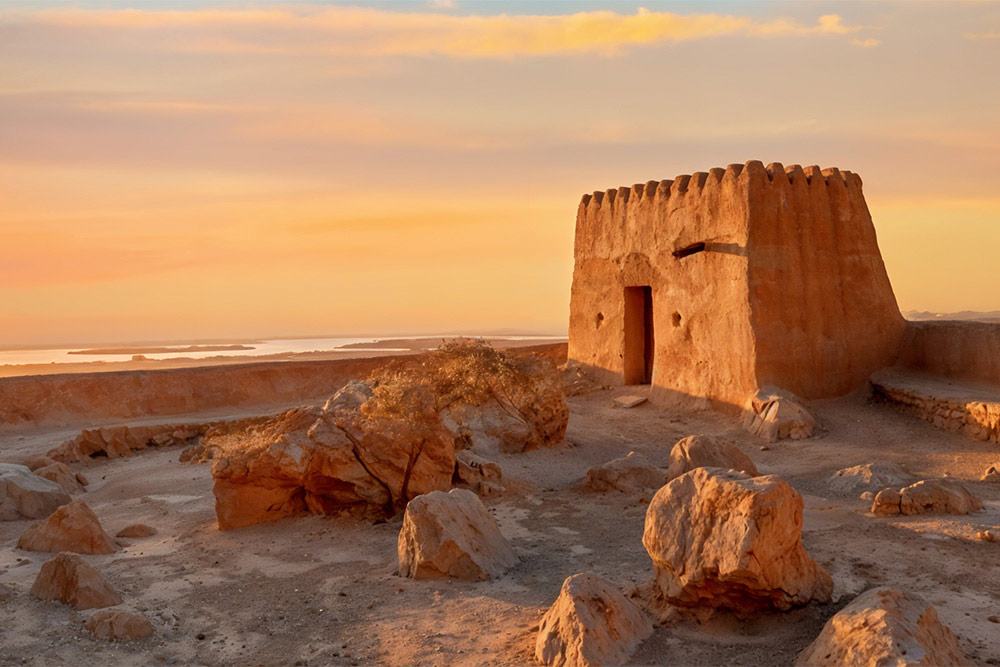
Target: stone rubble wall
975	417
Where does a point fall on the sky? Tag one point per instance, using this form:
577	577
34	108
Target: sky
194	170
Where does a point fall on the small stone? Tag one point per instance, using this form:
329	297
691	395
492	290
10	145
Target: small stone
986	536
868	496
136	530
119	625
629	401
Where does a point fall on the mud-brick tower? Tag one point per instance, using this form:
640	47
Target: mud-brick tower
713	285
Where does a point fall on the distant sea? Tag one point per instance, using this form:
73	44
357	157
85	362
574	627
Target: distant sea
63	355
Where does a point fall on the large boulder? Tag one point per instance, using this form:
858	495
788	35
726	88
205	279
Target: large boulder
628	474
120	625
68	579
327	461
451	535
773	414
378	444
869	477
705	451
590	623
61	475
73	527
884	626
25	495
929	496
722	539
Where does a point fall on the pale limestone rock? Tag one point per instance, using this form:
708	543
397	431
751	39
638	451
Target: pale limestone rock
870	477
705	451
73	527
61	475
25	495
628	474
590	623
773	414
929	496
451	535
884	626
136	530
720	538
120	625
68	579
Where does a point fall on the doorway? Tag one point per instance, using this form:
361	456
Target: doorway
639	340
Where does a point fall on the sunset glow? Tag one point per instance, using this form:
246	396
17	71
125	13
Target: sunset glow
195	170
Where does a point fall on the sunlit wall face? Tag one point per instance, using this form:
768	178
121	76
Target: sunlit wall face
185	170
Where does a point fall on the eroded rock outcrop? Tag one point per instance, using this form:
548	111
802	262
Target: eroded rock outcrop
451	535
118	441
327	461
478	474
590	623
628	474
773	414
73	527
378	444
929	496
705	451
68	579
119	625
884	626
870	477
720	538
25	495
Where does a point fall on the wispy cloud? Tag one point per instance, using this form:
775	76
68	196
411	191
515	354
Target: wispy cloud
376	32
991	34
869	43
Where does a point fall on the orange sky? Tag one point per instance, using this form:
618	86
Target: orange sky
191	170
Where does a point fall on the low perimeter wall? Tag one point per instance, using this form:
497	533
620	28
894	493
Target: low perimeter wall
956	350
90	398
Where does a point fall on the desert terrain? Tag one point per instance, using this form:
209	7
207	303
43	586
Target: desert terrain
319	590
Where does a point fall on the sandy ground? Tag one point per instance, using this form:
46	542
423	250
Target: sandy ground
324	591
378	348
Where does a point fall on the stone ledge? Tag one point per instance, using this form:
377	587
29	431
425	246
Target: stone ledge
969	408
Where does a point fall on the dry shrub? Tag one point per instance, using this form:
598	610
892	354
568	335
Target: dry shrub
463	371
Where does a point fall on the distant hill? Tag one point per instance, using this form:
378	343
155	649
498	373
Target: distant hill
975	315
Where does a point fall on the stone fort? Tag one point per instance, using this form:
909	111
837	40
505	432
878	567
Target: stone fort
711	286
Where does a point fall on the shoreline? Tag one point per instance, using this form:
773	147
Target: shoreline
378	348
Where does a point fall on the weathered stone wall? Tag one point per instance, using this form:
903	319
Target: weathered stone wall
627	237
92	399
959	350
788	290
969	409
823	311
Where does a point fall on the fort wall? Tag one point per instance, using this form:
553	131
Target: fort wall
968	351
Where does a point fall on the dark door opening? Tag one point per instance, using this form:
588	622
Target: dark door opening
639	340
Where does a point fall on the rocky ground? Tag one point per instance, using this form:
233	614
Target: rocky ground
325	591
